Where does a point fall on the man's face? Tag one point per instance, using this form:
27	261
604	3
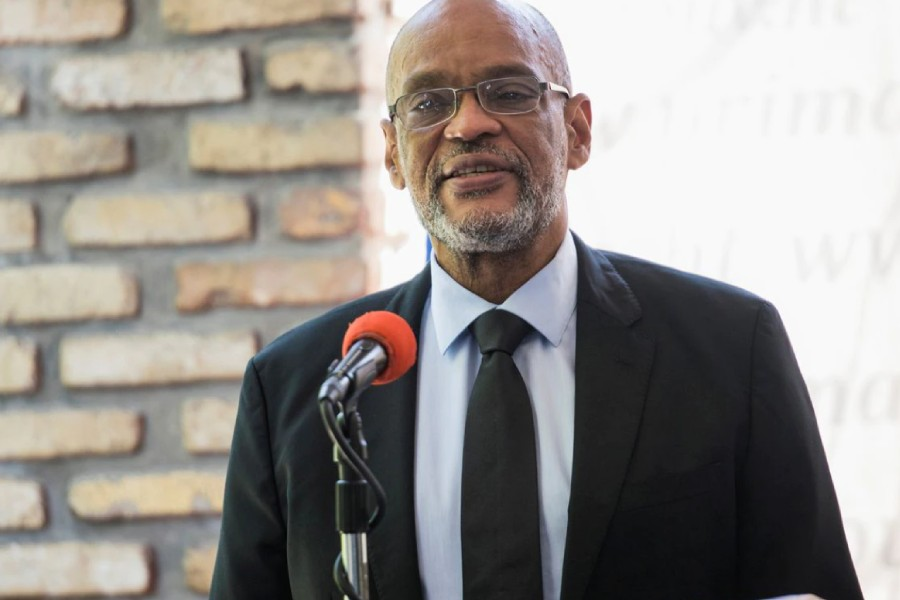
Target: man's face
480	182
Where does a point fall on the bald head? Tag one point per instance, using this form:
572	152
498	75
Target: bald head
525	21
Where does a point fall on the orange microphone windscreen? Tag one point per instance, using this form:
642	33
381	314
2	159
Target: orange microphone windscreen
393	333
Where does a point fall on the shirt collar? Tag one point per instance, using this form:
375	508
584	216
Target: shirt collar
546	301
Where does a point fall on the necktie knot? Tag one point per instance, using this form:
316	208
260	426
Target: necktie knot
499	329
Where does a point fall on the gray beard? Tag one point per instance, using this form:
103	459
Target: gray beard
483	231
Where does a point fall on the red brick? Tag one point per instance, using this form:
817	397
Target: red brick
271	282
18	366
317	67
35	156
51	434
208	16
198	566
66	292
155	220
173	494
12	96
253	147
320	213
150	79
74	569
21	505
60	21
207	425
128	360
18	226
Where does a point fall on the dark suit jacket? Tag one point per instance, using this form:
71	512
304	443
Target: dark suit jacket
698	471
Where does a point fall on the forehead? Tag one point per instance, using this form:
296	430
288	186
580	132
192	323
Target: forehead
463	43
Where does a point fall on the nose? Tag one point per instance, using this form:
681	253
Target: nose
471	121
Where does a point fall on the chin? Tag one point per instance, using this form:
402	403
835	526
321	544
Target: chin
485	231
480	198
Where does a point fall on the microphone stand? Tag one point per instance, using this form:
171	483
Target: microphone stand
353	514
352	508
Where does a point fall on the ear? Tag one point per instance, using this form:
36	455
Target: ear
392	155
578	125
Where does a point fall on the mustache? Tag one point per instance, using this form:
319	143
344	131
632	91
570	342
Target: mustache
477	147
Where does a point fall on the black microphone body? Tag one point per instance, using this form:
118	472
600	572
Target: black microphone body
364	362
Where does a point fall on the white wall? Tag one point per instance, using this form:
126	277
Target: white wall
762	137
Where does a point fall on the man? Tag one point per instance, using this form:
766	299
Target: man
677	451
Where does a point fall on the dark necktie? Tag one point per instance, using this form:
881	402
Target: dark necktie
501	549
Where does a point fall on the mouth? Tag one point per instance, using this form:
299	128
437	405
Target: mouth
472	171
468	166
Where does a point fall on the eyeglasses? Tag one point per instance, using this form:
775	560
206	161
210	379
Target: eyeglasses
504	96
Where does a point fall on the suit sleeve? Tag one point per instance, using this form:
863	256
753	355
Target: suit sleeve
790	535
251	561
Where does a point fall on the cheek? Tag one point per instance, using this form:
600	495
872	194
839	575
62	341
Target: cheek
415	158
542	141
543	153
556	146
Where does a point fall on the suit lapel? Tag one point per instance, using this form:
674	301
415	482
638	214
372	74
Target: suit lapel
389	421
612	367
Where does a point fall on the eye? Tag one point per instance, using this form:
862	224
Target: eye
512	93
428	101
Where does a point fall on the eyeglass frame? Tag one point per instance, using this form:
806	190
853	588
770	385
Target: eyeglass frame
543	85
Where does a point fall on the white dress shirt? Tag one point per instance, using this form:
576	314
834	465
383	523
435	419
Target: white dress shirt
448	361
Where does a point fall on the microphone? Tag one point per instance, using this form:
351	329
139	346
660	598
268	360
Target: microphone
378	348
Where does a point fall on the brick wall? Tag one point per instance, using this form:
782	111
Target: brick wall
180	181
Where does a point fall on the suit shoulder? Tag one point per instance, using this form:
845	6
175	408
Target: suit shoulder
688	304
323	333
706	327
651	281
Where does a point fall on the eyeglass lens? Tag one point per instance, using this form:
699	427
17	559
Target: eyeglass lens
509	95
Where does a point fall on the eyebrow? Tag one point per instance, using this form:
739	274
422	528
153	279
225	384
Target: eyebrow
439	79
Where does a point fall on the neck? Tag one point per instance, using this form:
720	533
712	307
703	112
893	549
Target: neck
495	276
